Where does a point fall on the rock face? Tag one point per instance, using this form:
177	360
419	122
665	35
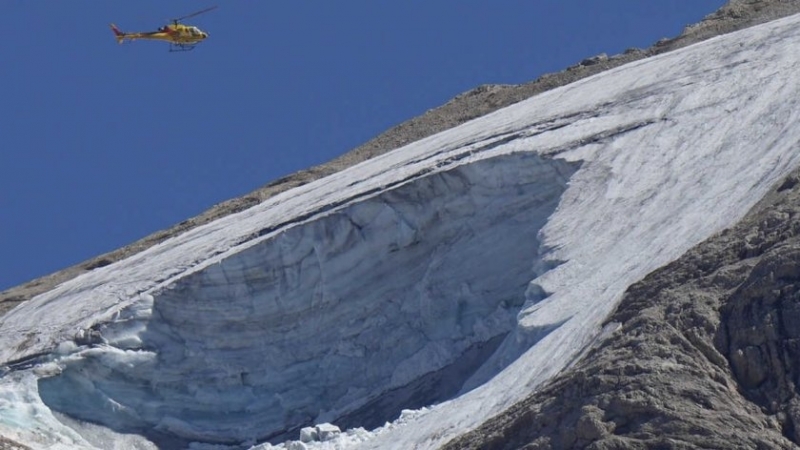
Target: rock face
7	444
705	355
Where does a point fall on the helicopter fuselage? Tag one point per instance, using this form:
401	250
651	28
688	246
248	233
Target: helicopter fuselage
174	33
180	36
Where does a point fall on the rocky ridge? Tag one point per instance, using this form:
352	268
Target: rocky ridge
735	15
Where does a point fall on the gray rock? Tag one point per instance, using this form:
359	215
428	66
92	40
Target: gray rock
602	57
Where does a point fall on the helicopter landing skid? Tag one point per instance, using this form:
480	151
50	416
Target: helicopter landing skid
181	47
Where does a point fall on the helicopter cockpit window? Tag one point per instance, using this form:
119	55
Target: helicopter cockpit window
194	31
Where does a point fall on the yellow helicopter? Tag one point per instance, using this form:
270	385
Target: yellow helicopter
180	37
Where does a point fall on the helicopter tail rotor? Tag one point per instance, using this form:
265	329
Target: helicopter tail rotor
117	33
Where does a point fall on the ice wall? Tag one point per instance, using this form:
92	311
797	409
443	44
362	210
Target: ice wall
348	318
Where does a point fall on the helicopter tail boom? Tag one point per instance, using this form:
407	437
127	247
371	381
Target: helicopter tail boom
117	33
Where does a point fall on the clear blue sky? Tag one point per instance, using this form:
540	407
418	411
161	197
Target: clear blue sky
103	144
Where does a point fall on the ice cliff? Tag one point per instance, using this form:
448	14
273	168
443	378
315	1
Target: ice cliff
319	321
462	270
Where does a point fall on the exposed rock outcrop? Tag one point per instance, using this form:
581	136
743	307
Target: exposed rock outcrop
8	444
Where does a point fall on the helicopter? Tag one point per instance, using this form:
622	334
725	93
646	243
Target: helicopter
180	37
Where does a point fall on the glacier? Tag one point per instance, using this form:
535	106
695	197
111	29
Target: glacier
451	276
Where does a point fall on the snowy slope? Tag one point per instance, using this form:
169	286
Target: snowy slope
519	230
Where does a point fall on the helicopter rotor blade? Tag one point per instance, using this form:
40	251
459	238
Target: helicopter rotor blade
194	14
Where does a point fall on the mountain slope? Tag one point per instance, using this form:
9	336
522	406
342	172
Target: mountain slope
494	250
522	371
704	356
